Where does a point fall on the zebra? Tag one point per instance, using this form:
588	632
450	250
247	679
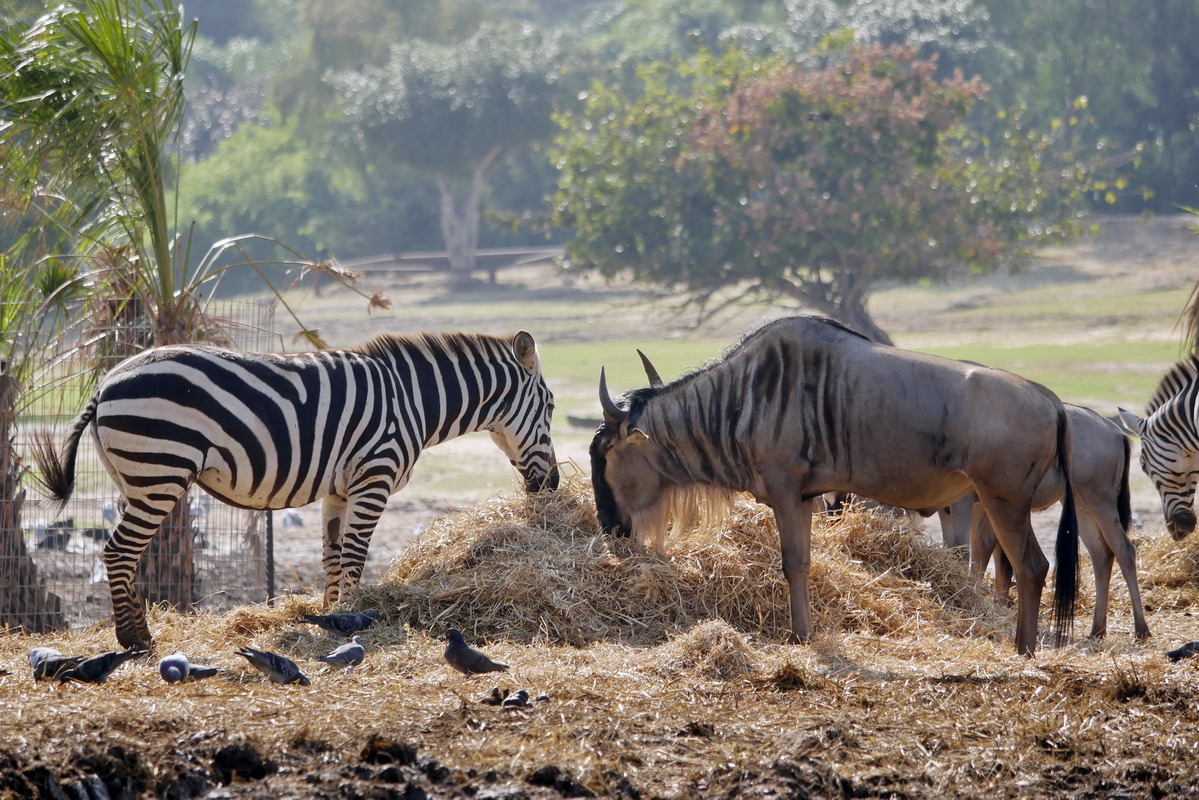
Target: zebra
805	406
266	431
1169	434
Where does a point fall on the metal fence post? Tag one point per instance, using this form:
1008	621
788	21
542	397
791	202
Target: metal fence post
270	557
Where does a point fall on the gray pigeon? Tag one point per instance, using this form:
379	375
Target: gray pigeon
47	663
176	668
466	659
346	624
349	655
97	668
280	669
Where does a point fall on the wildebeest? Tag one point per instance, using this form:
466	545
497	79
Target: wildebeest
1099	472
805	406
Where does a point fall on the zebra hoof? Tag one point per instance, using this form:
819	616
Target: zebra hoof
130	640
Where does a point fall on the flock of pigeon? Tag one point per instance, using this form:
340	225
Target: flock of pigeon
50	664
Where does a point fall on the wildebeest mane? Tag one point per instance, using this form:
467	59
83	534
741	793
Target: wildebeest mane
637	398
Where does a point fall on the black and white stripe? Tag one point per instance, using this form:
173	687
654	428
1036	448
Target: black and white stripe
277	431
1170	443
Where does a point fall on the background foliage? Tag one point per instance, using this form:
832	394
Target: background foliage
266	147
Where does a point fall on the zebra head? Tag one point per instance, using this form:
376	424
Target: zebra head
1170	458
522	431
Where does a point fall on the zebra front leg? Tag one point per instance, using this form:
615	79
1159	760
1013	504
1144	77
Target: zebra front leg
362	515
333	517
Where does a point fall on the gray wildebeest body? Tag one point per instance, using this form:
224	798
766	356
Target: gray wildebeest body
1099	472
805	406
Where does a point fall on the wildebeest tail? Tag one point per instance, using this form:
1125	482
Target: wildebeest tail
1065	587
58	469
1124	498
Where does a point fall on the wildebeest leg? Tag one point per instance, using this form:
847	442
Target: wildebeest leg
1012	524
333	516
1105	539
983	544
955	524
1101	563
794	520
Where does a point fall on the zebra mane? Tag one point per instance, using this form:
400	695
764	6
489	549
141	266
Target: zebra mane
1178	377
385	344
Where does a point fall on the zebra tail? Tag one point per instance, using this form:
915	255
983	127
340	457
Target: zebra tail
57	470
1124	498
1065	587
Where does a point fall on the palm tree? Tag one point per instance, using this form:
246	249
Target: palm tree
91	101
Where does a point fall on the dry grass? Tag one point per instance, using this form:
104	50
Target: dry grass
666	675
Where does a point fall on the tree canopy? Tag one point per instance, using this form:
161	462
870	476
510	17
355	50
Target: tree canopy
812	185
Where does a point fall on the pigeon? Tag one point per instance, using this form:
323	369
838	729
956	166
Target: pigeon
47	663
466	659
348	655
346	624
518	699
1187	650
280	669
176	668
97	668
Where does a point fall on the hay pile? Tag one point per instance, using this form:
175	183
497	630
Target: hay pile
1169	572
537	569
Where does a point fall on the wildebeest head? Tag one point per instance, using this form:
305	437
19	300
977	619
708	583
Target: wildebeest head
623	474
1172	466
523	432
641	486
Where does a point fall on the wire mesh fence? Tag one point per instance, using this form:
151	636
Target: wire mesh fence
208	554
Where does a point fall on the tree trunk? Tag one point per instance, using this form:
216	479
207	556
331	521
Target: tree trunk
167	570
24	602
856	317
460	215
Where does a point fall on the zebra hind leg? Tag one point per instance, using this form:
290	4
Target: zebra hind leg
138	525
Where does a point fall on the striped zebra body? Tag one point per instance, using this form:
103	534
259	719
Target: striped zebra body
1169	434
264	431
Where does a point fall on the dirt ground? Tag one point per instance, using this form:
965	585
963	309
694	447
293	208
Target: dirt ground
862	712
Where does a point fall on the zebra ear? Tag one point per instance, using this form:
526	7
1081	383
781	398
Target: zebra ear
1131	422
526	350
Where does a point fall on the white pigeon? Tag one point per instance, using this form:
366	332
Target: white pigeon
349	655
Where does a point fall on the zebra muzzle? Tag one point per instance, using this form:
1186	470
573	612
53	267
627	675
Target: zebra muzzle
1181	523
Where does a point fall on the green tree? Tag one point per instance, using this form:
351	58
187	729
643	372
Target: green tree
1136	64
456	111
811	186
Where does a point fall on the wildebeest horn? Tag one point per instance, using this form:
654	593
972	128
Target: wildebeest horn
612	413
655	380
